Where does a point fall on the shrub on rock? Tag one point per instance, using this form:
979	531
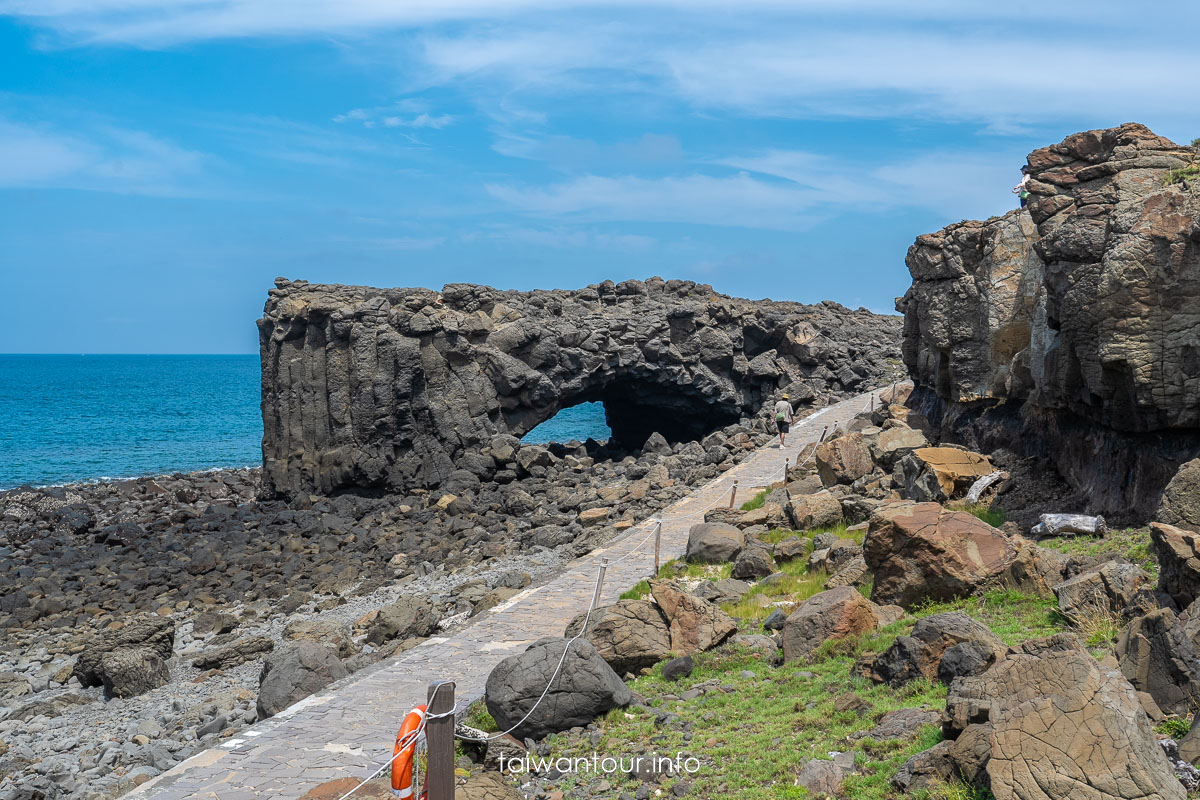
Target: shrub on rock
629	635
714	542
292	673
833	614
921	551
129	661
584	688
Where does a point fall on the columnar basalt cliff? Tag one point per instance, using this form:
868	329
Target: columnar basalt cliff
393	388
1071	329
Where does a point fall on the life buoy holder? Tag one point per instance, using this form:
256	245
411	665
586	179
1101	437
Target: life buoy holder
403	753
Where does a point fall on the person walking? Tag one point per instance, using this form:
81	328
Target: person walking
783	418
1021	190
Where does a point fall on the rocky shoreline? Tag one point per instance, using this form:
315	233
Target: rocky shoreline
226	580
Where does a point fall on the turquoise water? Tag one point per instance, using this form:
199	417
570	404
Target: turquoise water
65	419
76	418
577	422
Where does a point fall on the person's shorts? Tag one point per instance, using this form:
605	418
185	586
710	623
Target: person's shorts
782	425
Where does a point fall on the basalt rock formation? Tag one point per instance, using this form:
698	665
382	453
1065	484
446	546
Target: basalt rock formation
385	389
1071	329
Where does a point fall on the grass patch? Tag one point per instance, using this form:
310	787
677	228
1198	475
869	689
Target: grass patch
756	501
992	515
1130	543
1182	175
1174	727
639	590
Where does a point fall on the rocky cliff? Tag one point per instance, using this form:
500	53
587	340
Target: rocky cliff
393	388
1071	329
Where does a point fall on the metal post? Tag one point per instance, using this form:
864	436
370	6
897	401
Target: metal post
599	584
733	493
657	546
873	404
824	431
439	739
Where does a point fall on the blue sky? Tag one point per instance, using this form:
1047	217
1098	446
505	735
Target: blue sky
161	162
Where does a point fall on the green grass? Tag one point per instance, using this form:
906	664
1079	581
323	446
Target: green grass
1175	727
992	515
1182	175
753	741
675	569
1131	543
756	501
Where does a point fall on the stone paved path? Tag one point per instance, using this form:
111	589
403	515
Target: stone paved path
348	729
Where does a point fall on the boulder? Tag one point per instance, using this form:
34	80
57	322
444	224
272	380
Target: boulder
128	661
813	511
926	770
695	624
726	590
1180	503
1156	655
713	542
920	551
1178	554
852	573
1034	569
895	443
921	653
407	617
235	654
327	632
1103	591
584	688
821	777
832	614
940	473
754	561
1047	722
844	459
629	635
292	673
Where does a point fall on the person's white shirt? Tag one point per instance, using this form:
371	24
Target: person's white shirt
785	408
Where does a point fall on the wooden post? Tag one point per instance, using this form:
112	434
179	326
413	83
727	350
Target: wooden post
599	586
439	740
733	493
657	546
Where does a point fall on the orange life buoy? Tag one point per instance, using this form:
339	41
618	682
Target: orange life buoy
402	753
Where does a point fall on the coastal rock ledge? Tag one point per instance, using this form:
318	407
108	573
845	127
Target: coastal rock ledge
386	389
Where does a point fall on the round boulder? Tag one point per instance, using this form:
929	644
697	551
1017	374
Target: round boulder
714	542
293	673
584	688
629	635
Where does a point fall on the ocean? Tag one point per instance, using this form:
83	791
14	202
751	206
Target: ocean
67	419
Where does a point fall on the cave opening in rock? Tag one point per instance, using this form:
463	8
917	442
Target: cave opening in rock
627	412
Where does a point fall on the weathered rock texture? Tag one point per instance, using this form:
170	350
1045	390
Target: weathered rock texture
1076	320
387	388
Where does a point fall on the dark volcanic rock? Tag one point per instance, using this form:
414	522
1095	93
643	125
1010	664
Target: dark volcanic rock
586	687
129	661
390	387
1078	313
293	673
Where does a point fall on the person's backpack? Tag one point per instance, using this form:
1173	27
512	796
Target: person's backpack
780	416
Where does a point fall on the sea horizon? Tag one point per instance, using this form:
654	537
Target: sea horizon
101	417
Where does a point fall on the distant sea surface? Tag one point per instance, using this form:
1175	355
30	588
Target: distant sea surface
67	419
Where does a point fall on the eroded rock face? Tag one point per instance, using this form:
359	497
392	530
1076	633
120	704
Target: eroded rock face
386	388
1180	503
129	661
1080	312
1047	722
832	614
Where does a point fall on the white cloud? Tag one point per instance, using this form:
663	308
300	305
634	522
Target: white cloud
392	116
103	158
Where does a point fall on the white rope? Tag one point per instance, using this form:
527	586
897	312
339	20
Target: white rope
554	677
562	660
